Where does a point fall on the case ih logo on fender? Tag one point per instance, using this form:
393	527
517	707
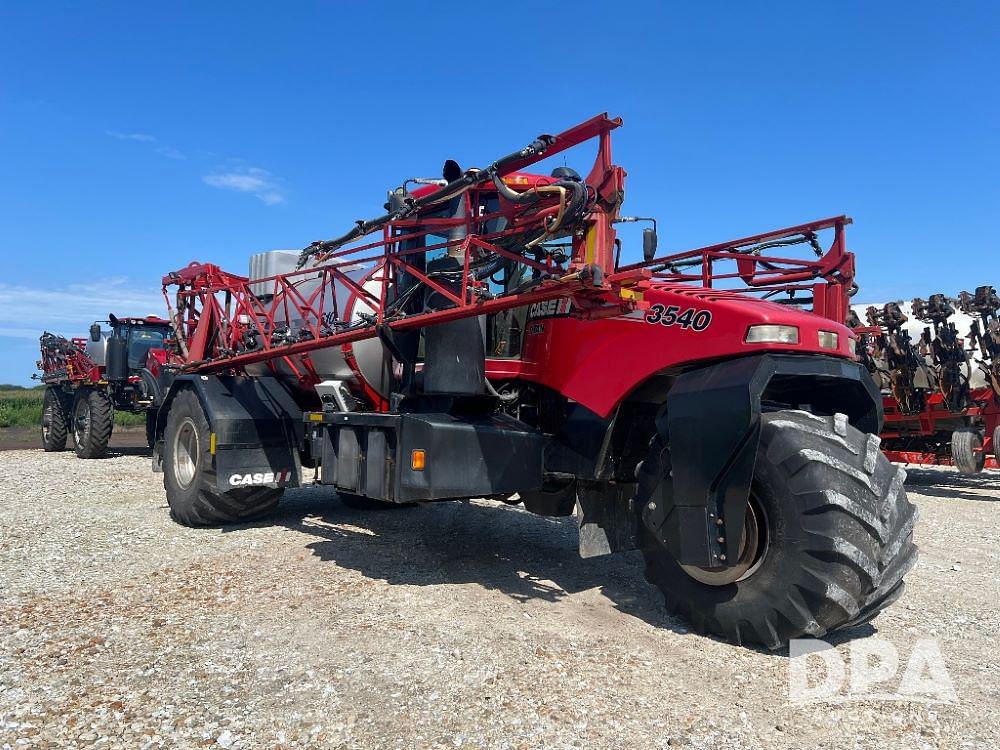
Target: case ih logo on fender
258	477
553	308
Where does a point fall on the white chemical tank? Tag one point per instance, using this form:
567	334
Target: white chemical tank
962	321
364	360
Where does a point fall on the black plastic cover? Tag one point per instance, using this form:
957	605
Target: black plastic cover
371	455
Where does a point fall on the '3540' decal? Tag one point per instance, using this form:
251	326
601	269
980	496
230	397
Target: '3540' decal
670	315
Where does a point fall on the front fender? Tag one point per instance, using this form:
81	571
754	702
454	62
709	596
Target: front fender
712	426
597	363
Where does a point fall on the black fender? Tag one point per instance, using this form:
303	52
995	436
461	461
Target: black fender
258	426
712	427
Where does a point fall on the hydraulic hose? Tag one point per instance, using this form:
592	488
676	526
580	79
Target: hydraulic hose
453	189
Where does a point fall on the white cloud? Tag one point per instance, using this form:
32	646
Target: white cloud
140	137
253	180
170	152
163	150
257	182
27	311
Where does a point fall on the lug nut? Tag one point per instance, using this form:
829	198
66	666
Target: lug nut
651	506
718	522
721	540
722	557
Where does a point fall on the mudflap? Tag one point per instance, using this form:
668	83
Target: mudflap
712	426
607	518
256	425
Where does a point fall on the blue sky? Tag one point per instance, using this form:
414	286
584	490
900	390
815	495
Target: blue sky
135	138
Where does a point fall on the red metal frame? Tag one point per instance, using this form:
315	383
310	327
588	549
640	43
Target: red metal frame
65	360
215	313
936	421
833	272
932	426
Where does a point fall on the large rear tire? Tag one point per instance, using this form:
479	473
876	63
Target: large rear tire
189	476
827	541
93	420
967	451
55	420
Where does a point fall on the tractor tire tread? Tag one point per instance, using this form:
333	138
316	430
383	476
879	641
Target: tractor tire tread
854	547
59	422
102	418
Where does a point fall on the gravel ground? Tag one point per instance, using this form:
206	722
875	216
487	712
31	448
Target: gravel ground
449	625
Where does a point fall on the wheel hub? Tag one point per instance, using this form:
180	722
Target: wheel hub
753	547
186	452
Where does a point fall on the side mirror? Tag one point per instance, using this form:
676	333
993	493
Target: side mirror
95	332
648	243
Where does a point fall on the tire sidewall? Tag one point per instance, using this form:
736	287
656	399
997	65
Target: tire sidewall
812	553
81	404
964	453
180	498
55	423
783	527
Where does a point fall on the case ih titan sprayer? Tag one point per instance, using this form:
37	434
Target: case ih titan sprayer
941	400
486	342
88	378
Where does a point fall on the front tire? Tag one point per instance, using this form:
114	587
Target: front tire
93	420
832	541
189	476
55	420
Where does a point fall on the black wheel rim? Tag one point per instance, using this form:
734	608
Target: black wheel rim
754	544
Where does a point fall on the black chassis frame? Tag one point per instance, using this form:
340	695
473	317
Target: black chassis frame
260	431
462	456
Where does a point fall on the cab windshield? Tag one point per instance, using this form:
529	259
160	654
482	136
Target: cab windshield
140	341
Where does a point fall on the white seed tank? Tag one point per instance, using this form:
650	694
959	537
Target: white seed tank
962	321
371	362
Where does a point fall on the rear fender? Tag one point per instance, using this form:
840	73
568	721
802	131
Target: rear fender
257	425
712	425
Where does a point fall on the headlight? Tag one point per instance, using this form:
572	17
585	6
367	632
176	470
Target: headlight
772	334
828	340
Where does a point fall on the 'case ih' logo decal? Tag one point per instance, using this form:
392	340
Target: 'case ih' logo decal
553	308
664	315
258	477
